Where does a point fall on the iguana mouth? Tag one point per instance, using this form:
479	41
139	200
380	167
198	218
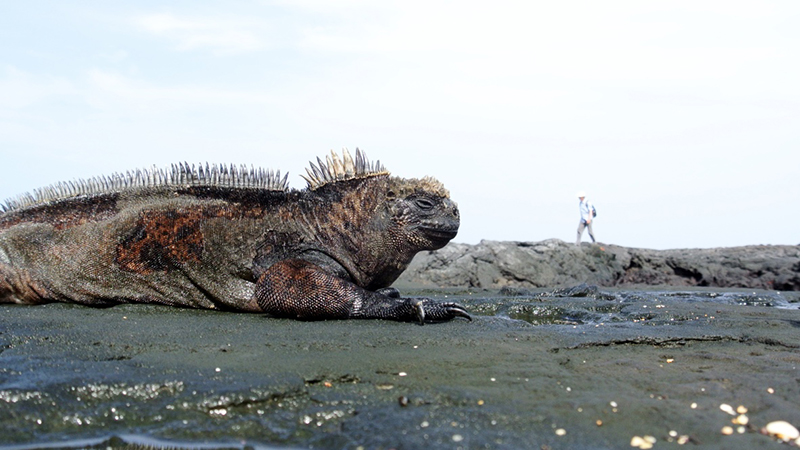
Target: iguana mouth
439	234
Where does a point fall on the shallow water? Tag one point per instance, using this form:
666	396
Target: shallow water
143	376
588	305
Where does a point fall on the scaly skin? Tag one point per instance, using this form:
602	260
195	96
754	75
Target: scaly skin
327	252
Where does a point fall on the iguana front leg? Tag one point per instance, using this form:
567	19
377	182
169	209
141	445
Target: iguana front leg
299	289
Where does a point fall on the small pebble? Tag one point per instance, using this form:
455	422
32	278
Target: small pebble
561	432
402	400
726	430
727	408
741	419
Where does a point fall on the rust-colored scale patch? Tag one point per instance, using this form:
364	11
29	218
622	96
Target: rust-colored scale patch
165	239
64	214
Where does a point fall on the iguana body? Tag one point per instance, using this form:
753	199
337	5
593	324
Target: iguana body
230	239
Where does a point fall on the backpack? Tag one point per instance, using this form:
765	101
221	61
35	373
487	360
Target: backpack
594	212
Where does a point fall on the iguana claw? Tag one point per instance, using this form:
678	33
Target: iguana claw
438	312
420	312
457	310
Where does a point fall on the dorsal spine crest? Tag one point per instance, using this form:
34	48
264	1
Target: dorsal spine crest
181	174
335	169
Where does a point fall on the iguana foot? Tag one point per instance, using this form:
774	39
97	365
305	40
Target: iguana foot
433	311
407	309
302	290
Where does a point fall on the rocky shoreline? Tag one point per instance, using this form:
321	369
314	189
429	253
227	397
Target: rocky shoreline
555	263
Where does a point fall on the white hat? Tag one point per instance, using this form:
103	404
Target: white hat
581	194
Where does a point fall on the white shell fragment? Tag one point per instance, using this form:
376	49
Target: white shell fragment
782	430
643	443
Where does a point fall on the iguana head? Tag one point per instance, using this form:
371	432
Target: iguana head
422	213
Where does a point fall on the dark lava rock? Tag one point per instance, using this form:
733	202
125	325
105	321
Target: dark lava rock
548	371
554	263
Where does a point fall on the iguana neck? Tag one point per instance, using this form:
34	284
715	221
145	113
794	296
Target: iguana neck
354	220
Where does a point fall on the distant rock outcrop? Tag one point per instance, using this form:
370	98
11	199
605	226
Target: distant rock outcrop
552	263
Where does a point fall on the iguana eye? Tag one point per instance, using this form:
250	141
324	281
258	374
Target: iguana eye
423	203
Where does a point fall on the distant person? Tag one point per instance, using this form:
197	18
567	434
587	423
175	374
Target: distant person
587	214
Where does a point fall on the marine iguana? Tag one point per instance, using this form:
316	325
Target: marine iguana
230	238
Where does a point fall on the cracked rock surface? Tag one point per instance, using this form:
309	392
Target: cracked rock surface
497	264
580	367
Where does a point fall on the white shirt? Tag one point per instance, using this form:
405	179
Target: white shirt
586	210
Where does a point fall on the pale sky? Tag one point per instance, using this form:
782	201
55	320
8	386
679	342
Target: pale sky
680	119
